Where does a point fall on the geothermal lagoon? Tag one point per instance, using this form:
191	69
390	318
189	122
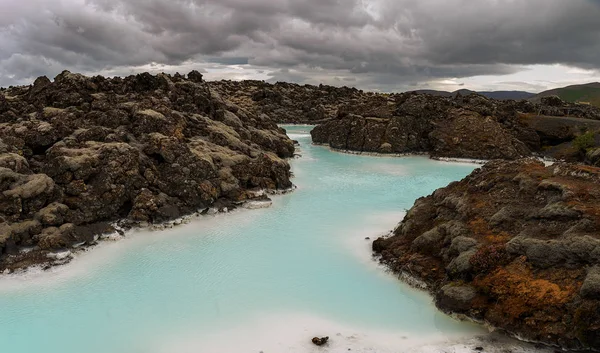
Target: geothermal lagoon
255	280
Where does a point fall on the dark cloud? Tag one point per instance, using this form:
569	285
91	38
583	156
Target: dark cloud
372	43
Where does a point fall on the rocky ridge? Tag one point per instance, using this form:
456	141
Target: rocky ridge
289	102
515	244
462	127
81	152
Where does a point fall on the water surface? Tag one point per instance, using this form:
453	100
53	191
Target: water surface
252	280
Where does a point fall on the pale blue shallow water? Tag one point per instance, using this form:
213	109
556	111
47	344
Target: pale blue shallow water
304	255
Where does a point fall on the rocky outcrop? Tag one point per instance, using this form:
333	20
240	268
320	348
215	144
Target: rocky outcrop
515	244
460	127
289	102
555	106
79	152
582	148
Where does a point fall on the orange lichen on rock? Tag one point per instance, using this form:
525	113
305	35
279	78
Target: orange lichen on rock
516	289
498	238
479	227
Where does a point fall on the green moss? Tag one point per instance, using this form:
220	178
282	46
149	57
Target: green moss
585	141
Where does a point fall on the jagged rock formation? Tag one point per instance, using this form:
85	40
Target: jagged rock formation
461	127
515	244
289	102
79	152
555	106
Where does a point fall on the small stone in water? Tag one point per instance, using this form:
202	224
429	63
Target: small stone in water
320	341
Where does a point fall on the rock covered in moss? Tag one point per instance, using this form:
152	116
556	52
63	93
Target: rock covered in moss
79	151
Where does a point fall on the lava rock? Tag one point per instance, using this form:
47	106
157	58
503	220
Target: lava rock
78	151
512	232
319	341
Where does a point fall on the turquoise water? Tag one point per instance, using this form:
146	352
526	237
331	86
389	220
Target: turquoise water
245	280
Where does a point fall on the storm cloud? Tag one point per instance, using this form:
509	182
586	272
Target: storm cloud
385	44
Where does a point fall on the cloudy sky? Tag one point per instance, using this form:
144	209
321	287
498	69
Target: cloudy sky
388	45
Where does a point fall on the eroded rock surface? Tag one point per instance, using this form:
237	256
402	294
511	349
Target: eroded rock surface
463	127
516	244
80	152
289	102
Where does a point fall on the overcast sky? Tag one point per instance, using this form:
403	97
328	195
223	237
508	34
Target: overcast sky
388	45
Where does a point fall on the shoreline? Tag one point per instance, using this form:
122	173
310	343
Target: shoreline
401	155
543	159
47	260
421	285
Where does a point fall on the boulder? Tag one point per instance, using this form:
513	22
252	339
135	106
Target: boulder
455	298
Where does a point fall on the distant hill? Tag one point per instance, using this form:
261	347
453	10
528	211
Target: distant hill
492	94
587	93
516	95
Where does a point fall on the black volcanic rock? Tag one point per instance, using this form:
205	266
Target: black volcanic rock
82	151
320	341
515	244
463	127
288	102
467	127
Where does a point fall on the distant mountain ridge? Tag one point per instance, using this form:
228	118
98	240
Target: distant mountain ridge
585	93
502	95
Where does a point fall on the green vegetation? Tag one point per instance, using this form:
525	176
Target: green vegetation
587	94
585	141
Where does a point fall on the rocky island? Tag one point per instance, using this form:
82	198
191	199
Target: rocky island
80	153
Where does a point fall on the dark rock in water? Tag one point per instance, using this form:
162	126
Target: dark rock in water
513	232
367	238
479	349
319	341
81	151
